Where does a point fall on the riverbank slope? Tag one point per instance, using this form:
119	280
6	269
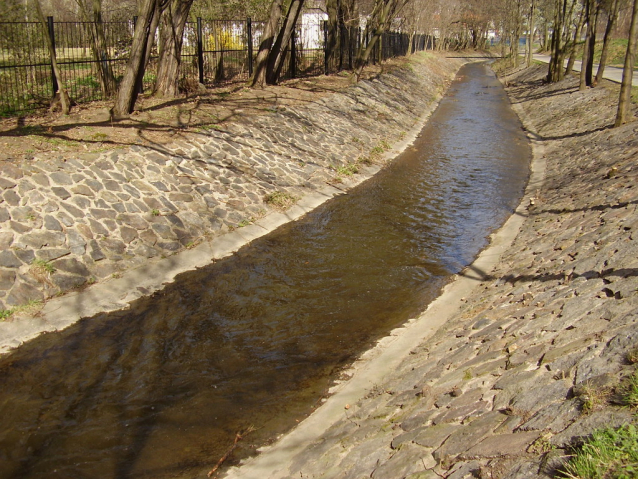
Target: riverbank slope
528	357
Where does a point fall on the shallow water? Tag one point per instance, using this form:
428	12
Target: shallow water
161	389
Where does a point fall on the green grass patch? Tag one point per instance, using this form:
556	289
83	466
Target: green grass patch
629	390
615	53
608	454
347	170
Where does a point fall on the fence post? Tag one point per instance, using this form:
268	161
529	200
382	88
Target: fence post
326	53
54	80
249	28
200	51
293	52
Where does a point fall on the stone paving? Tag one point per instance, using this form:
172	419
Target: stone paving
532	362
69	222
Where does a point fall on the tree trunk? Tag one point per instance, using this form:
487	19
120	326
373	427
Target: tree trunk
530	34
587	67
171	39
555	70
65	101
573	43
278	51
376	26
586	46
99	48
612	15
267	40
624	102
144	31
332	8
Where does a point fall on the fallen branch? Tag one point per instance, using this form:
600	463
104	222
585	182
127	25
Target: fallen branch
238	437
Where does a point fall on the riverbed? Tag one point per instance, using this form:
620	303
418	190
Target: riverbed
256	339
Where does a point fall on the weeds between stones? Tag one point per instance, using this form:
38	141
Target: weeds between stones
41	270
282	200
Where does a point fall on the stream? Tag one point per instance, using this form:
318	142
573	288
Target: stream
161	389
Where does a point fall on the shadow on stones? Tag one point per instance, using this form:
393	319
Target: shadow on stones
477	274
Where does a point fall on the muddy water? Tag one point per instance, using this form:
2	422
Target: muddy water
161	389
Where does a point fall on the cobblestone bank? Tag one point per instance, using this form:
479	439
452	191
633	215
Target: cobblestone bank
72	221
525	369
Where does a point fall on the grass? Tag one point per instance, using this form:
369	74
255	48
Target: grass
281	200
99	136
629	390
347	170
615	54
43	265
609	453
7	313
41	270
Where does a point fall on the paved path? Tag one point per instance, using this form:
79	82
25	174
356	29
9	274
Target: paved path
611	73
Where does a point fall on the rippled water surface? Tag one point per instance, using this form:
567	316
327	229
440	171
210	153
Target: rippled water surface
161	390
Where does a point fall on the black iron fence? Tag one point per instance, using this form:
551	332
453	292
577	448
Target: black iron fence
213	52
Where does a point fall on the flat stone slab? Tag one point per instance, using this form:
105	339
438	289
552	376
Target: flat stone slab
502	445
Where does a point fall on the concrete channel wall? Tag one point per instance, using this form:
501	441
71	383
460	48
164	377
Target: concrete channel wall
119	218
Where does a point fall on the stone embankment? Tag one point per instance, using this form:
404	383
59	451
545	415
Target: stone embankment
72	221
531	360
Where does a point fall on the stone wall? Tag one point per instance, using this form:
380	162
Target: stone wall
75	220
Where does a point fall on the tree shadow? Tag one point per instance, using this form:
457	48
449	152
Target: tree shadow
477	274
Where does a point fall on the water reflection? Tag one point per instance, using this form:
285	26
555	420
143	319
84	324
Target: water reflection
255	339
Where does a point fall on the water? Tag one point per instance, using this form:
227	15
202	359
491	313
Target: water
160	390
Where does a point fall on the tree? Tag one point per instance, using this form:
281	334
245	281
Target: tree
267	40
171	39
611	8
592	7
148	19
564	35
93	16
624	102
61	94
277	54
530	33
380	19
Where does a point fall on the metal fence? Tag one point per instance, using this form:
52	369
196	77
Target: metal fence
213	52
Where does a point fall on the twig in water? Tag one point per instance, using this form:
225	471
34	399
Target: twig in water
238	437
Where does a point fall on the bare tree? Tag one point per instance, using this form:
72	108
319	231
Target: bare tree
564	34
148	19
267	40
61	94
92	14
530	32
171	38
379	22
279	50
624	102
611	9
592	7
